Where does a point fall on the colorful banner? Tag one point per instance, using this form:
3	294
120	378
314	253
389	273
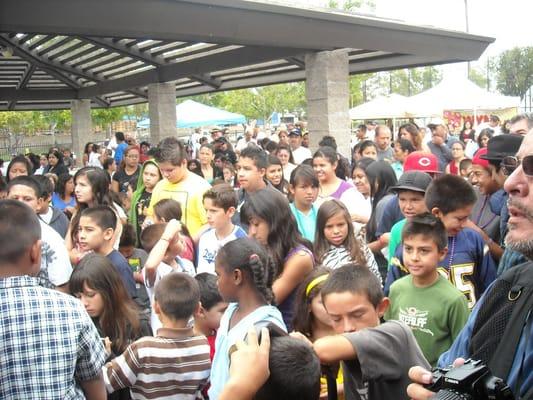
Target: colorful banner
457	118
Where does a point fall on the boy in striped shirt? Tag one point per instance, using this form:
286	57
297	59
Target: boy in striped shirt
175	363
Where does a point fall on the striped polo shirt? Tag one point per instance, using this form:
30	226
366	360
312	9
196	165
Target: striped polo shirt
173	365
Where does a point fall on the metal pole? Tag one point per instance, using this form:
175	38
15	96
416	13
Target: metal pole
467	31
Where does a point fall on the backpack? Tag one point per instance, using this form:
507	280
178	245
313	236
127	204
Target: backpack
506	311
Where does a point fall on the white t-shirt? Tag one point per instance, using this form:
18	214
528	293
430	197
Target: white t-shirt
94	160
242	144
55	262
301	154
163	269
48	216
287	171
208	247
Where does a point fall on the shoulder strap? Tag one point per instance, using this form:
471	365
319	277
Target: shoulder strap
521	294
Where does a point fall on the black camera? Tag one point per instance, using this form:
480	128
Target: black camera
470	381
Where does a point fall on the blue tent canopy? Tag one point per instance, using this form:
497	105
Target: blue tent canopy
191	114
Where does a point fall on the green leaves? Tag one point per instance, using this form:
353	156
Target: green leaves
515	71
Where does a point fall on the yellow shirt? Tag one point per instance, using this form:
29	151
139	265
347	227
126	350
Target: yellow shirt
188	192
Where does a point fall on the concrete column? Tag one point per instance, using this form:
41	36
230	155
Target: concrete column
162	110
81	130
328	93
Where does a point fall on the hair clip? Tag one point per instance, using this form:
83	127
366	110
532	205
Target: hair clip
253	257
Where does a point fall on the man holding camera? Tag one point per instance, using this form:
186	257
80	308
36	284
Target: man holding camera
499	331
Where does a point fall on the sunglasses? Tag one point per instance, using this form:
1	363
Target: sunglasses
510	163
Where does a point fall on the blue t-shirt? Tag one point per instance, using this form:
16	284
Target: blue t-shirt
125	271
57	202
466	265
228	337
522	367
119	152
391	215
306	223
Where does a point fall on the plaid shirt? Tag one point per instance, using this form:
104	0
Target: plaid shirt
47	342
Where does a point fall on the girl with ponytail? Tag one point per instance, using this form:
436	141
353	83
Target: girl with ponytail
245	273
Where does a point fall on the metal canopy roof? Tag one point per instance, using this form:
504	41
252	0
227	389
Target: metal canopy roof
110	50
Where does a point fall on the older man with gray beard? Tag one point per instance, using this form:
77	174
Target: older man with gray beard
499	331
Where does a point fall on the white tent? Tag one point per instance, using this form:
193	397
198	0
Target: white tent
382	107
457	94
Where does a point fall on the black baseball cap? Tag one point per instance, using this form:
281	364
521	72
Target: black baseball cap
416	181
502	146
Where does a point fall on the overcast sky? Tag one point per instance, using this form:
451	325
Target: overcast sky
510	22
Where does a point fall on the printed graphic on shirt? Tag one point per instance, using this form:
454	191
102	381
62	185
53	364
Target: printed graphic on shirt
209	256
48	256
415	319
461	276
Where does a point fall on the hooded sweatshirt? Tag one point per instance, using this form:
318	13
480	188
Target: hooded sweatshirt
140	200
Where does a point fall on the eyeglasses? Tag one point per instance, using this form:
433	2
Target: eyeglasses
510	163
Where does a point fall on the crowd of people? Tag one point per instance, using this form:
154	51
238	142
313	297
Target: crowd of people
267	270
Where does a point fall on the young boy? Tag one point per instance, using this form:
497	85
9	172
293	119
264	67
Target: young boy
304	190
50	215
96	232
465	168
375	357
163	243
173	364
179	184
219	203
251	167
136	259
451	199
50	346
410	190
55	263
425	300
207	321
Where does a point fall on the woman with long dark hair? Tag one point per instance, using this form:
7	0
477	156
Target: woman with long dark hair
63	197
55	163
325	163
467	133
128	173
274	174
412	133
117	318
381	178
91	188
18	166
273	225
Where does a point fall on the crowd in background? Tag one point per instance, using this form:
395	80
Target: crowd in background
176	249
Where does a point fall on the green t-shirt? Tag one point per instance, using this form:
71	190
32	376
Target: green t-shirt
436	314
395	238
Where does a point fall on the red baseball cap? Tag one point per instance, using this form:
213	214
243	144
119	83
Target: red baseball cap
479	159
421	161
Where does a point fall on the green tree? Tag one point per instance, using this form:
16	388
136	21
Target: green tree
479	77
352	5
258	103
59	120
515	71
104	117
